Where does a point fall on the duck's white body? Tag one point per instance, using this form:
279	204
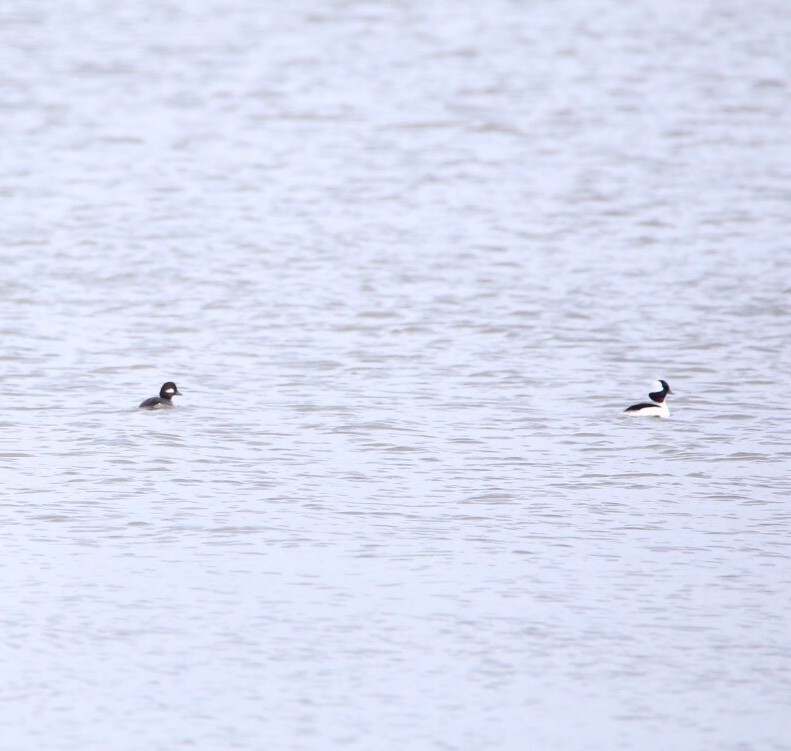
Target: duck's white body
648	409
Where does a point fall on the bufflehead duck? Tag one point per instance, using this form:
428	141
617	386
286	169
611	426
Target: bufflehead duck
656	407
166	393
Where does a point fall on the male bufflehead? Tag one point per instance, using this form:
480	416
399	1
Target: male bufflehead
656	407
166	393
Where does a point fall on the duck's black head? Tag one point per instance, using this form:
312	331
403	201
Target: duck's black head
658	394
169	390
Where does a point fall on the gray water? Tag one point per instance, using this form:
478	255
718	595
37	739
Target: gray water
407	262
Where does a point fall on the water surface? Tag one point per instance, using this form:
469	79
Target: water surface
407	264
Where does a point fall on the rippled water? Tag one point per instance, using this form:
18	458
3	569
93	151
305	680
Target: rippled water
407	262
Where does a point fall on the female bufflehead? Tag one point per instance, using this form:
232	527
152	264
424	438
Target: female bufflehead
656	407
166	393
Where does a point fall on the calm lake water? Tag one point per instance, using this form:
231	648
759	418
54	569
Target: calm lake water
407	262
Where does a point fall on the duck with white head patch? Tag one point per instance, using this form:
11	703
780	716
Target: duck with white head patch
166	394
657	406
